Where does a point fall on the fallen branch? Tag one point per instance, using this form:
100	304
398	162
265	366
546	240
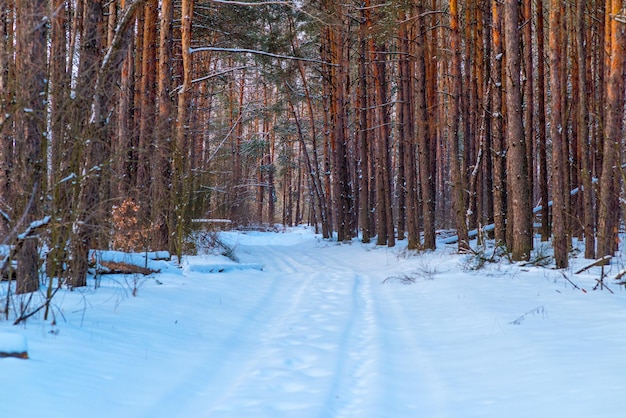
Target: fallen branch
25	316
620	275
599	262
540	310
602	285
572	283
20	239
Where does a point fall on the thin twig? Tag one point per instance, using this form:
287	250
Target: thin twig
571	282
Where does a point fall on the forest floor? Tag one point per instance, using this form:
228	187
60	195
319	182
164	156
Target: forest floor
303	327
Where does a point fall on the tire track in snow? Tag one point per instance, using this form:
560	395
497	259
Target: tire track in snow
295	280
352	391
315	360
227	364
398	338
396	355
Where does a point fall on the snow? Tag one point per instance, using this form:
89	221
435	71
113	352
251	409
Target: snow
11	343
326	330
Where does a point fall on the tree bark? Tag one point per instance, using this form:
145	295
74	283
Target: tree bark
30	69
458	200
499	150
517	170
161	168
559	238
180	190
426	173
610	182
406	128
584	133
541	126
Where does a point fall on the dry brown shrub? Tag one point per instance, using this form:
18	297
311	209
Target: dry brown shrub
129	233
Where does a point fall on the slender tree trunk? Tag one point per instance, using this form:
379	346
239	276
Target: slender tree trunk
426	174
559	162
89	212
30	69
458	191
584	133
499	151
610	182
161	168
541	128
529	93
58	145
6	98
147	88
406	128
517	170
316	179
383	178
181	192
364	129
488	120
339	138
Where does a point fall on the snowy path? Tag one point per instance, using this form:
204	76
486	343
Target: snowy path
318	334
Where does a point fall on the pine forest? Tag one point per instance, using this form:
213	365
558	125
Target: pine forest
122	121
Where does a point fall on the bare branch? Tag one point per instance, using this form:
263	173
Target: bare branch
209	76
257	52
248	3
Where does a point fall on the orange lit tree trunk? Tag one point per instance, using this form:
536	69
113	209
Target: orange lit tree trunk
161	169
458	192
541	126
610	182
180	191
364	136
584	132
424	129
517	169
406	130
338	79
499	150
559	193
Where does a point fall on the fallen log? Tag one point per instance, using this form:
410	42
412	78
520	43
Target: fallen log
13	345
599	262
113	267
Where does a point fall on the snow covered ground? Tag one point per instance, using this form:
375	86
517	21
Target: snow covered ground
312	328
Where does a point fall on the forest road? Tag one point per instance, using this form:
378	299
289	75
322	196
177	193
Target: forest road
324	338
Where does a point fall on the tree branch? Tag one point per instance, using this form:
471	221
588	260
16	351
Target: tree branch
257	52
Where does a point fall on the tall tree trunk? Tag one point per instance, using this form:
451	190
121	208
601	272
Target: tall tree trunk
541	128
584	133
383	169
322	199
339	100
180	189
458	190
426	174
499	150
58	146
517	170
529	94
161	168
560	238
406	129
364	129
6	98
30	69
147	88
610	182
488	119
